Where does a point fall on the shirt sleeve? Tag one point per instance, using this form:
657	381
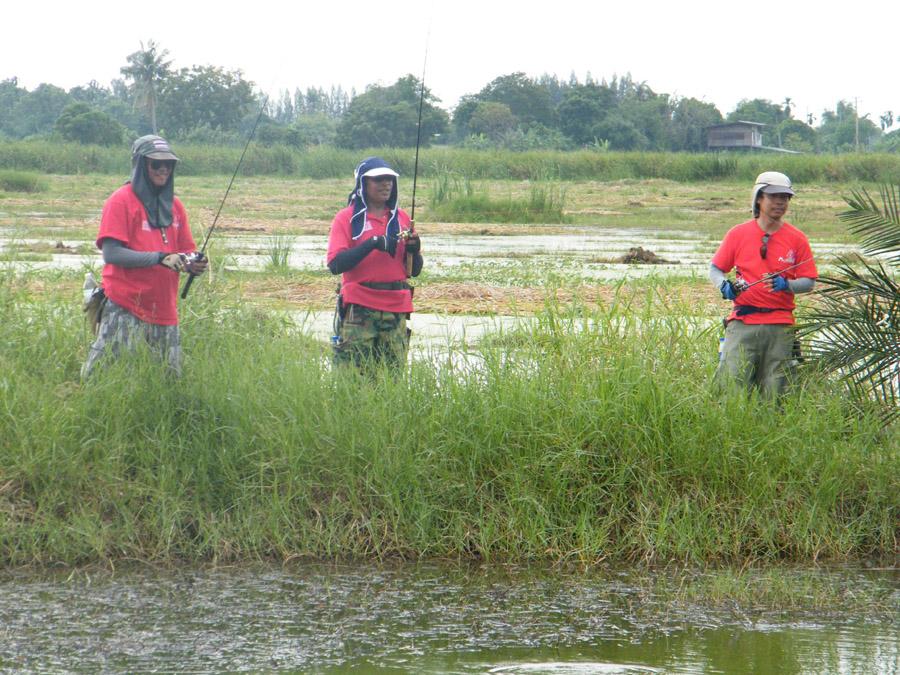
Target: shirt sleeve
114	222
185	238
339	237
724	257
805	255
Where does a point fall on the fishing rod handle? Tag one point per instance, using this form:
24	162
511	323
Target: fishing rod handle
190	280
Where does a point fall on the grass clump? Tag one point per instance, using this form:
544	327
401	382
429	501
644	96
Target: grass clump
457	199
22	181
585	436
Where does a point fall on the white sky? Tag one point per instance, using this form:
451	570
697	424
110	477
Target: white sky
719	52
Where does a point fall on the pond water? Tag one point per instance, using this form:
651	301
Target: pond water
413	618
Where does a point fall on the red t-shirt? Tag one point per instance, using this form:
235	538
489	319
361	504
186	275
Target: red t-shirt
378	266
150	293
740	250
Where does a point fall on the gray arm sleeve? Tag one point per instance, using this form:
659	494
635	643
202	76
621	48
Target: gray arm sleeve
116	253
801	284
716	276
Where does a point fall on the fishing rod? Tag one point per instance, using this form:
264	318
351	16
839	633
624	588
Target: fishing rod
772	275
202	253
412	215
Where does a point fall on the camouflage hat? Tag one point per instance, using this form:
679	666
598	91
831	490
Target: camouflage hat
154	147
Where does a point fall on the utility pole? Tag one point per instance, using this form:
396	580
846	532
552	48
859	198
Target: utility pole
856	116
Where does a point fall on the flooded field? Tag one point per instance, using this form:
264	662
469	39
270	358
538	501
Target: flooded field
420	619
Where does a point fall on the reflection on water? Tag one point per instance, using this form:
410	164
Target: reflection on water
408	618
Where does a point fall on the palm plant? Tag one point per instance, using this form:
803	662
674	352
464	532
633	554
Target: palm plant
147	68
855	330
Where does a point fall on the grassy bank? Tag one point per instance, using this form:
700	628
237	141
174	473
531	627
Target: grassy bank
325	162
593	436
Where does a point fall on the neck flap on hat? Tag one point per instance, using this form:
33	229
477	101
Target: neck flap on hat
157	201
360	209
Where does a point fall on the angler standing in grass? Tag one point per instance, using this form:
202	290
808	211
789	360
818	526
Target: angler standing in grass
773	262
369	241
145	239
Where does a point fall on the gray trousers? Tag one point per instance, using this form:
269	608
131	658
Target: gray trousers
121	331
758	355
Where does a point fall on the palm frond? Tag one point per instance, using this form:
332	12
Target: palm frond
853	332
877	226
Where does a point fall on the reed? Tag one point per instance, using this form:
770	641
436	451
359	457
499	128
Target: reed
587	436
328	162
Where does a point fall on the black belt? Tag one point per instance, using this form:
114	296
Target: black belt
744	310
386	285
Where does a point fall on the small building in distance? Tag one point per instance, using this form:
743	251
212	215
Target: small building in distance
738	136
735	135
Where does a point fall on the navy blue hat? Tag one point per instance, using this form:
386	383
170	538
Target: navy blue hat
371	167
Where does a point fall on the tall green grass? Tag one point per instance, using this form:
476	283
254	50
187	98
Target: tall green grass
588	436
456	199
326	162
22	181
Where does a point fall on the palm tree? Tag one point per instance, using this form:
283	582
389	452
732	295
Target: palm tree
855	330
146	69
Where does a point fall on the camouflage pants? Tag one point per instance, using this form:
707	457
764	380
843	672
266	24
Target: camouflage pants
369	336
758	355
121	331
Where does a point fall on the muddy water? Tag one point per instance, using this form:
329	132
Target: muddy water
596	252
412	618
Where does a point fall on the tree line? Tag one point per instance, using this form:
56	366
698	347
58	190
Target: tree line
208	104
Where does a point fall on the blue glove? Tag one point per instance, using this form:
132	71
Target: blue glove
729	292
779	283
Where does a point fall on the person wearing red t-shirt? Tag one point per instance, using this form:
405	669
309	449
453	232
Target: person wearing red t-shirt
773	262
368	245
145	239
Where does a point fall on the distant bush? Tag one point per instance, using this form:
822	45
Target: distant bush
22	181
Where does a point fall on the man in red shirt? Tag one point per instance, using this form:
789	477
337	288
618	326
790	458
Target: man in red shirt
773	262
145	239
369	242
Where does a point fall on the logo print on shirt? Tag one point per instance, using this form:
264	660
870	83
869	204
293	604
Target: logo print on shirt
788	259
145	226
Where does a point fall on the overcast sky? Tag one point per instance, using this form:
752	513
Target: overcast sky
719	52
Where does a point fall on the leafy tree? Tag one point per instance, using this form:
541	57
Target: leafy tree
796	135
462	115
620	133
855	329
315	129
840	129
205	96
147	69
492	120
388	116
528	100
582	107
690	120
887	120
10	93
92	93
36	112
83	123
765	112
